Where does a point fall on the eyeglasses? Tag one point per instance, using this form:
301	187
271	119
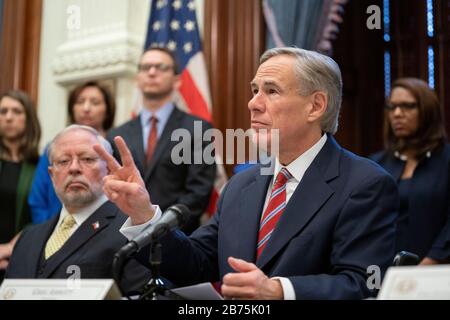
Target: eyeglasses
404	106
84	162
160	67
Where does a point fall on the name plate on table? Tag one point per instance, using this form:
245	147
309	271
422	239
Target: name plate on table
59	289
416	283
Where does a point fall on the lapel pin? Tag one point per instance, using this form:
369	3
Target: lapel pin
96	225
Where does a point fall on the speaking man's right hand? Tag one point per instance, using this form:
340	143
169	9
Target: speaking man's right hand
124	185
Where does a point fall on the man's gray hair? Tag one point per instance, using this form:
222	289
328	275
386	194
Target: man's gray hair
315	72
101	140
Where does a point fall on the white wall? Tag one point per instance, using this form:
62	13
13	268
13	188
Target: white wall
52	97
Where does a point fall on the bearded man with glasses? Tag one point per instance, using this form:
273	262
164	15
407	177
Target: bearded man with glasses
86	232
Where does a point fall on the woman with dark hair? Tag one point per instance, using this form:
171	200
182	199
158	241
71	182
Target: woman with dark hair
89	104
418	157
19	138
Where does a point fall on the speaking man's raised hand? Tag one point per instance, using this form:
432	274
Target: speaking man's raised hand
124	185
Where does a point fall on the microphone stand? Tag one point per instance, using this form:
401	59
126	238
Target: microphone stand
156	286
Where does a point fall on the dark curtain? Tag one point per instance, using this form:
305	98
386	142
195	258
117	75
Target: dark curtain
307	24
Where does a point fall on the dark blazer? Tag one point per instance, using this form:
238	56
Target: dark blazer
169	183
22	209
89	248
340	220
429	202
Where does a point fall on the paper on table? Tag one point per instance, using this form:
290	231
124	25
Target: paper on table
416	282
202	291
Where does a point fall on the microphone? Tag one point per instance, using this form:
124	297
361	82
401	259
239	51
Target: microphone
405	258
173	218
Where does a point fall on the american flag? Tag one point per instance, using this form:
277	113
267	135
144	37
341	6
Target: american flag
173	24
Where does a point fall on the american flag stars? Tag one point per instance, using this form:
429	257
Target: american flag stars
172	45
175	25
172	24
189	25
177	4
191	5
157	26
187	47
161	3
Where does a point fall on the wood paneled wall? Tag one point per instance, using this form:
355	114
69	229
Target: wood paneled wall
233	41
359	53
19	50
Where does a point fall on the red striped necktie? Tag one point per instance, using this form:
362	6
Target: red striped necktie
274	210
152	139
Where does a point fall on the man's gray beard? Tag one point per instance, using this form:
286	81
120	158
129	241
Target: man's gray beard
78	199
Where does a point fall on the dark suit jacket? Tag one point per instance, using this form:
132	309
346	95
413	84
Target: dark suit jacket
169	183
90	249
340	220
429	202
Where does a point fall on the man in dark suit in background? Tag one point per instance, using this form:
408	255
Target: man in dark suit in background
310	230
85	235
149	139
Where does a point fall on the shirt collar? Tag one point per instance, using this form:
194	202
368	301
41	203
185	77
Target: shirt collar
298	167
162	114
82	215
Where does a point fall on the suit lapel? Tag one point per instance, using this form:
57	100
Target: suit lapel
84	232
395	167
135	143
251	205
161	146
309	196
40	238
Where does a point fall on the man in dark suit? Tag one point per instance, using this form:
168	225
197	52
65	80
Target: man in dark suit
82	239
149	138
312	229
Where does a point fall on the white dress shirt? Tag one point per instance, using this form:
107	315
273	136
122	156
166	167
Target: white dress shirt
163	115
297	168
130	232
80	216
